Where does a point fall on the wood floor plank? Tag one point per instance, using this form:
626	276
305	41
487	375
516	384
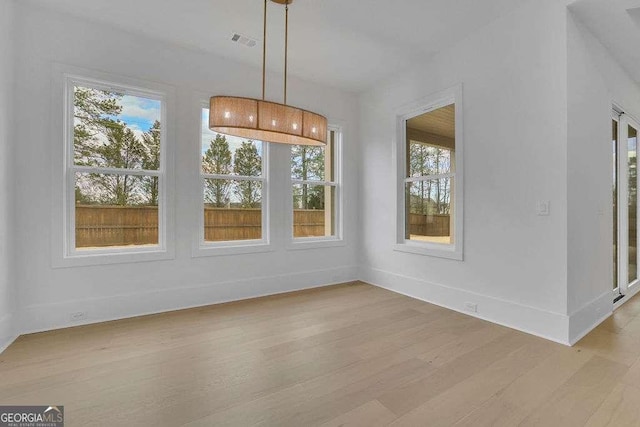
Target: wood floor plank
324	398
513	404
617	321
371	414
618	347
238	339
452	405
352	355
440	356
620	408
632	376
574	402
412	395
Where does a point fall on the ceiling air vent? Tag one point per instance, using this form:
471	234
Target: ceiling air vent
244	40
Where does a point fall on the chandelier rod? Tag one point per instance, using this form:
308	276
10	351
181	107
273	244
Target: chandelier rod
264	50
286	47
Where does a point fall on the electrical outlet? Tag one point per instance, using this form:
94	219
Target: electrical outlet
78	316
471	306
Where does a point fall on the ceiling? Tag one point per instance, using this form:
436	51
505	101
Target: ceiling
439	122
616	23
346	44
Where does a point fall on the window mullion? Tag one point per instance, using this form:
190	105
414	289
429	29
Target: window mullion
312	182
115	171
429	177
234	177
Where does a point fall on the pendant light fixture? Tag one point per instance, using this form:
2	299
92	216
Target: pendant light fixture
264	120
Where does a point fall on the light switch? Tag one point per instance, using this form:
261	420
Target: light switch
542	208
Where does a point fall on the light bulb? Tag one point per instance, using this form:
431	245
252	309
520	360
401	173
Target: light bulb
227	114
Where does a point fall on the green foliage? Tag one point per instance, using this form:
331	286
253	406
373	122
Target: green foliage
92	112
433	196
308	163
102	140
151	160
81	198
217	160
247	162
122	150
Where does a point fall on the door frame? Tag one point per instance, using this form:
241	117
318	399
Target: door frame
625	288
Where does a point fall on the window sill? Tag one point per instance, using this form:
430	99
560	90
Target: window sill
303	243
106	258
434	250
231	248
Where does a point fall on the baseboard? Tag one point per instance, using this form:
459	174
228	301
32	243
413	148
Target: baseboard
7	331
45	317
557	327
532	320
585	319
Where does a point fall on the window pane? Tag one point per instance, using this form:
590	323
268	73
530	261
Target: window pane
431	142
313	210
115	210
430	210
308	163
427	159
232	210
311	163
229	155
113	130
633	203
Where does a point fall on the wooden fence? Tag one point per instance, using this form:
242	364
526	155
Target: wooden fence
429	225
100	226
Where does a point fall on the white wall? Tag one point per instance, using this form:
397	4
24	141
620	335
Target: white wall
48	295
514	74
595	81
7	284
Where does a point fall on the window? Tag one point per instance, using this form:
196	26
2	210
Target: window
430	197
234	193
115	168
315	184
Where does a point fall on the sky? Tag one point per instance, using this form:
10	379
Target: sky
140	113
208	135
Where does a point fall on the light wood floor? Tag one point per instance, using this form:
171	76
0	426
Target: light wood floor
344	355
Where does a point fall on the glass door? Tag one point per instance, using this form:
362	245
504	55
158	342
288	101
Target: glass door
625	203
614	186
630	135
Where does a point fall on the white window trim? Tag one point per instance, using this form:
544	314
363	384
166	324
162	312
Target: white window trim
64	253
302	243
430	103
202	248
